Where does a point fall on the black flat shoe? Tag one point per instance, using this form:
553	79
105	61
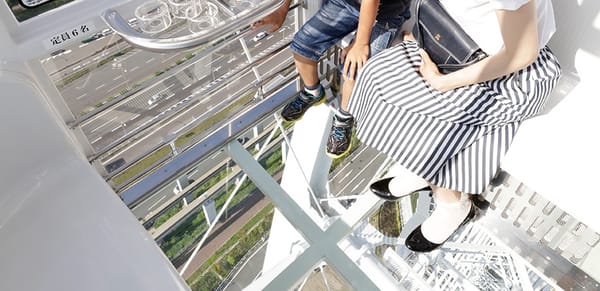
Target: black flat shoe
381	189
416	242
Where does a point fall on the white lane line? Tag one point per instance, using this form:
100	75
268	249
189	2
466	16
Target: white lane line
357	185
100	86
156	203
117	77
134	68
81	96
346	176
213	61
204	100
117	86
116	128
136	116
186	86
94	141
172	56
103	124
150	60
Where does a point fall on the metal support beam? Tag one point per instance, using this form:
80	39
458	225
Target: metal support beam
323	244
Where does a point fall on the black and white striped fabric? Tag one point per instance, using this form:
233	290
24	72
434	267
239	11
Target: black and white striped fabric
454	139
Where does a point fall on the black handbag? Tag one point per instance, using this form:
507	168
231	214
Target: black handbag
448	45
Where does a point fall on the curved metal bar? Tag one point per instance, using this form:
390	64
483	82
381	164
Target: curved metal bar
116	22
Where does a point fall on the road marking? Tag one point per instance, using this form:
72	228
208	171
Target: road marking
158	201
117	86
186	86
136	116
346	176
215	155
94	141
172	56
135	68
100	86
358	184
103	124
204	100
81	96
150	60
213	61
117	77
115	129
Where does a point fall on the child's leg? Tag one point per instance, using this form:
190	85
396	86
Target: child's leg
334	20
307	69
340	137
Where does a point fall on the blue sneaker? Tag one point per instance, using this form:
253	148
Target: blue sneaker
295	110
340	137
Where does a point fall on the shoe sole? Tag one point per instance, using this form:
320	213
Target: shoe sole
334	156
471	216
323	99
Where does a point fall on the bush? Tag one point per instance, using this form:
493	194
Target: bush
208	282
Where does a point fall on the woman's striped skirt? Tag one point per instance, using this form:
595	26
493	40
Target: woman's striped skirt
454	139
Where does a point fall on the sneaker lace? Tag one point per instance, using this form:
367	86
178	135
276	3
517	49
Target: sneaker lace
297	103
339	133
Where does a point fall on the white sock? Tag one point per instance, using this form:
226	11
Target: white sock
445	219
314	92
406	184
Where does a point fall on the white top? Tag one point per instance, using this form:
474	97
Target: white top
478	18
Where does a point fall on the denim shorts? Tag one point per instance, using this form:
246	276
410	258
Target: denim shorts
336	19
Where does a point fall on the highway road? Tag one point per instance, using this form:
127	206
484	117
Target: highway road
108	80
356	173
181	95
155	200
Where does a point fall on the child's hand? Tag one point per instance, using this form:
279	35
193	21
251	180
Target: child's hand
344	53
355	59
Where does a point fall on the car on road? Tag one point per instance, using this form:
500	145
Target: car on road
58	52
156	97
259	36
113	166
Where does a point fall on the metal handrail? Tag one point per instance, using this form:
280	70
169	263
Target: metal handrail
117	23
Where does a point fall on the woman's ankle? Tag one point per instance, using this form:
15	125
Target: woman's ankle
445	195
446	218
